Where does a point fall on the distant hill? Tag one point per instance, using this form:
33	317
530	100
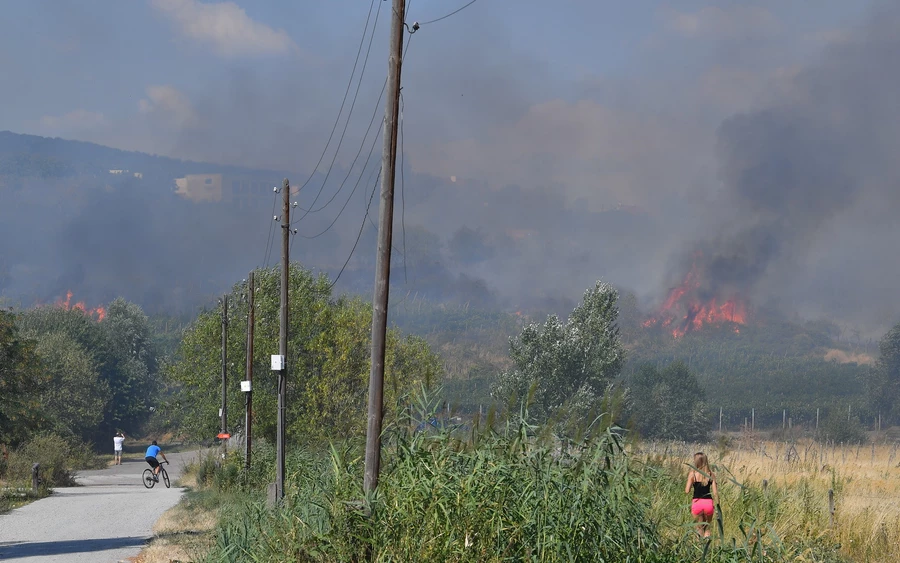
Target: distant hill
28	156
103	223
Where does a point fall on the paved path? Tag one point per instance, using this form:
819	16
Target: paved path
107	519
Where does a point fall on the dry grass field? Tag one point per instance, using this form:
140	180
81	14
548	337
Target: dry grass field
782	490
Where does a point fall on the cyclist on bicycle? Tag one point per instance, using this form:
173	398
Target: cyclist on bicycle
150	457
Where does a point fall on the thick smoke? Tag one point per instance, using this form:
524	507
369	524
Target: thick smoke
807	211
514	171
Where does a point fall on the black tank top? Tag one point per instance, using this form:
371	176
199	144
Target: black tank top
701	490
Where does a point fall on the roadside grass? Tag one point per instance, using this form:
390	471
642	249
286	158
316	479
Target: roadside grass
185	532
58	458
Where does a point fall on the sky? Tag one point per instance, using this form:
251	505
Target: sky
661	105
625	81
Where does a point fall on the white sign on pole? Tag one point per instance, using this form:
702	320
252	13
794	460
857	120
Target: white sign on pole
277	362
245	386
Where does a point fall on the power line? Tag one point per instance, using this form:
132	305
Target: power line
353	163
347	123
337	118
368	158
271	228
448	15
361	227
312	208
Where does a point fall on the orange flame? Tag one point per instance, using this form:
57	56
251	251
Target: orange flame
688	312
97	312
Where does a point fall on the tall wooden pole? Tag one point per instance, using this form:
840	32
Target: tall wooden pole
283	335
248	400
224	410
383	258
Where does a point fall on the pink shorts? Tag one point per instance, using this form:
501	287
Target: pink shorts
702	506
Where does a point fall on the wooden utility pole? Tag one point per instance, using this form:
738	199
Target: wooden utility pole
283	335
248	399
224	411
383	258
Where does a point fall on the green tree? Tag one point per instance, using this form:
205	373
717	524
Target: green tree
121	351
328	362
72	395
883	384
19	383
668	403
567	365
128	342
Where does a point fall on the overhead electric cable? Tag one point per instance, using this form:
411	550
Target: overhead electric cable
361	226
337	118
454	12
265	263
368	158
312	208
347	123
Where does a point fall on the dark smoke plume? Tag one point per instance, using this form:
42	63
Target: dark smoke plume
812	181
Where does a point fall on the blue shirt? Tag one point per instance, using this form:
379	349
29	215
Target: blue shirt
152	451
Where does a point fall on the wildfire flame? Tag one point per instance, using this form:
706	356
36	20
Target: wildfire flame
98	312
684	310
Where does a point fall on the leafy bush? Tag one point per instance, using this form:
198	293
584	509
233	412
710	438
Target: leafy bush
566	366
56	456
837	428
668	403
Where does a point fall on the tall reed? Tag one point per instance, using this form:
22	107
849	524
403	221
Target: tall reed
503	491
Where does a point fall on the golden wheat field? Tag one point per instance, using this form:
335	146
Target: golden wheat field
844	496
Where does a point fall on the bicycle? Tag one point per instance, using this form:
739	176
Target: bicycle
150	480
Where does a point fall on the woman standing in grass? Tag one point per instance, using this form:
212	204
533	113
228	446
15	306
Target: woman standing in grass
702	481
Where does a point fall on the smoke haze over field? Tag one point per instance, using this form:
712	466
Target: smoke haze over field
810	193
543	149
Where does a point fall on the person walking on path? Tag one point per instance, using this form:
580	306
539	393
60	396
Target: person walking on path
702	482
150	457
118	441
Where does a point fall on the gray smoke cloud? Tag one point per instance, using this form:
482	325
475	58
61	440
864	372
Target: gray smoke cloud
809	187
524	180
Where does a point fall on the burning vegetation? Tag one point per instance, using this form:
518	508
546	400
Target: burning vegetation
693	304
98	313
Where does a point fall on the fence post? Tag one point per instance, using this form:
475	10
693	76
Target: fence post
35	472
765	485
831	506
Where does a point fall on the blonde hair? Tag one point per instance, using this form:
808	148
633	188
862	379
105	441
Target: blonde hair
701	466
